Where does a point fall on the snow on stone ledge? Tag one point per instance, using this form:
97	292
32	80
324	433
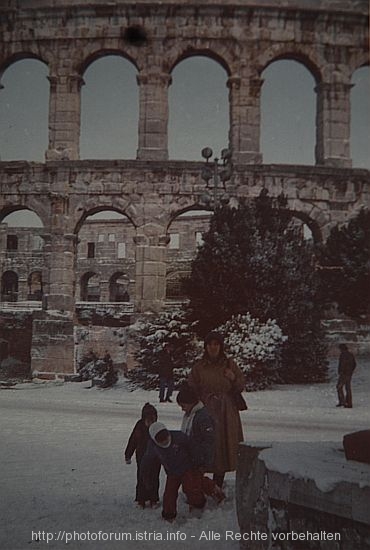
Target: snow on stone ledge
322	462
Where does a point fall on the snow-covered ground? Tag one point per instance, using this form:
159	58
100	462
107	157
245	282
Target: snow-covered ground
63	475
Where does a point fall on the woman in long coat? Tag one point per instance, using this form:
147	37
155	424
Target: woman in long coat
217	379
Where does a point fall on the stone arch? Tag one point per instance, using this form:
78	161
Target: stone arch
90	289
109	106
357	61
119	287
311	224
33	207
315	218
183	210
104	52
90	208
288	90
24	107
9	286
20	56
35	285
205	122
279	52
223	58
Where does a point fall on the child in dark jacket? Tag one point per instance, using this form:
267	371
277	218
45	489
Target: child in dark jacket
173	450
137	444
198	425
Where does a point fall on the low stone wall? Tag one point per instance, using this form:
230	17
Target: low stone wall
307	496
356	334
15	344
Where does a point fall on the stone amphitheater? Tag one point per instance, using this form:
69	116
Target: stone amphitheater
330	38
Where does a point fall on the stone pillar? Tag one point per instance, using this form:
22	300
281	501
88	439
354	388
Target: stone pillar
22	289
153	116
64	117
333	124
104	291
244	136
151	252
61	272
52	352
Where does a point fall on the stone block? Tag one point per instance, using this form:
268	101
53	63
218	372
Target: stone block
323	494
52	346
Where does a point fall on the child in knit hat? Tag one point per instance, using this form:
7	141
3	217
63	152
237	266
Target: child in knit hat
137	444
173	449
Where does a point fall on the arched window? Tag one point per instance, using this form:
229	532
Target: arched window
118	288
90	287
24	111
109	110
288	114
198	108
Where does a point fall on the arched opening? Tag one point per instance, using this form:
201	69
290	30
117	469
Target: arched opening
106	245
21	250
24	111
360	118
9	287
20	236
109	110
35	291
185	232
198	108
119	288
302	229
22	217
288	114
90	287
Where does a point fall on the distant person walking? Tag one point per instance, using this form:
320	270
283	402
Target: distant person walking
346	366
165	371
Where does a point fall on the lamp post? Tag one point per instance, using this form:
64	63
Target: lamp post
215	172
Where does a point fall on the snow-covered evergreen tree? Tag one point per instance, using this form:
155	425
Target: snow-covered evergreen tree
152	335
254	260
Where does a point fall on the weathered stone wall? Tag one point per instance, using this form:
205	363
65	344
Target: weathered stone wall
15	344
244	37
323	493
52	345
329	38
101	340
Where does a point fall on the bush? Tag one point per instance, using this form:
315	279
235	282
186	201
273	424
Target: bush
256	348
99	370
151	336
